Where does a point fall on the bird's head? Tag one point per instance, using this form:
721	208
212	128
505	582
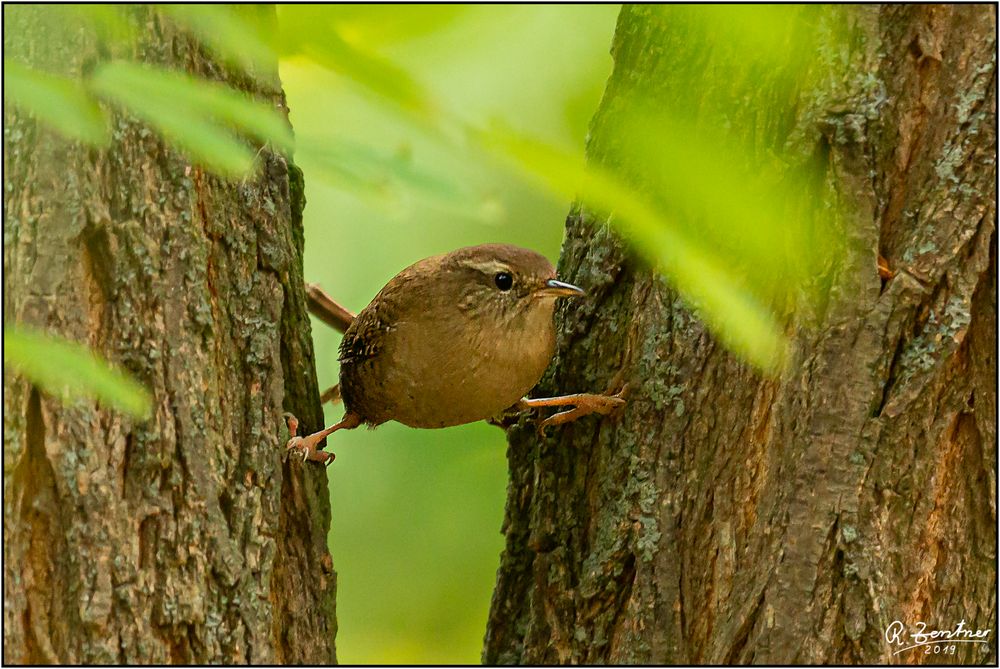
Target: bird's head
505	282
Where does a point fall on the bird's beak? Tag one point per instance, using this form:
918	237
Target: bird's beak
556	288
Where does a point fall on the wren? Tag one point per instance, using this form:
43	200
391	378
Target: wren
451	339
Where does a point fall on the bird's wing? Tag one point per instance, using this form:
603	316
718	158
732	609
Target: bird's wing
367	335
362	341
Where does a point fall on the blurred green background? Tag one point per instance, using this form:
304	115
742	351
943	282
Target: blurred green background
415	535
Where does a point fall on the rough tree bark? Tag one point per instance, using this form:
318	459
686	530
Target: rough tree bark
728	517
182	538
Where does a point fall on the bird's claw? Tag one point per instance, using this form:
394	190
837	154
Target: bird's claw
587	404
304	446
292	422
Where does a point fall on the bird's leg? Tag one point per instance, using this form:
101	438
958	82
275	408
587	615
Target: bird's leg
582	403
307	445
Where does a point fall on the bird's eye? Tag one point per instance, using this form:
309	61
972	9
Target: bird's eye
503	280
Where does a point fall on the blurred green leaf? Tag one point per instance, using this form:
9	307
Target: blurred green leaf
198	115
376	25
768	33
71	371
56	24
753	213
108	21
228	30
362	165
310	32
720	296
60	102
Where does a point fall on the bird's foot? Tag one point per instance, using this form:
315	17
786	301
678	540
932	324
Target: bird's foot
305	447
583	404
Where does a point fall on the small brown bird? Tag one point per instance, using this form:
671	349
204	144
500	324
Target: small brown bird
452	339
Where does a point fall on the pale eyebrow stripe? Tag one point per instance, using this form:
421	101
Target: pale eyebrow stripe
490	267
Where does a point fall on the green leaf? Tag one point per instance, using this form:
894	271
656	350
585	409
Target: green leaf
361	165
198	115
109	22
230	31
53	25
773	34
308	31
755	214
71	371
719	295
61	102
377	25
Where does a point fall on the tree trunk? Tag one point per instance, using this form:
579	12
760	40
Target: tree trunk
182	538
726	517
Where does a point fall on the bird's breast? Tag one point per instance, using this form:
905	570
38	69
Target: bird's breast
442	376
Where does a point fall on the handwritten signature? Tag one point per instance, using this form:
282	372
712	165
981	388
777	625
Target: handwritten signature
897	633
